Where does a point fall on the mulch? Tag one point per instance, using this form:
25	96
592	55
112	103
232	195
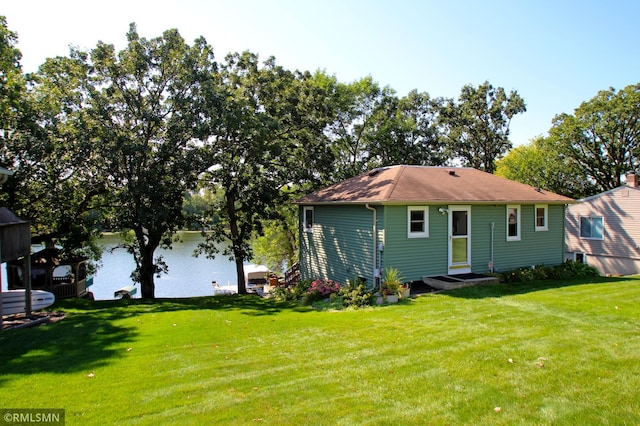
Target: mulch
420	287
17	321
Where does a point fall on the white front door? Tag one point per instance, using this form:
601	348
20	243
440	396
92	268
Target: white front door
459	239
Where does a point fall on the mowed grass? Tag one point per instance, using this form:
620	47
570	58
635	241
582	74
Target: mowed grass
542	353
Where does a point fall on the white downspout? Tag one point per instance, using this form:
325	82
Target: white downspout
375	245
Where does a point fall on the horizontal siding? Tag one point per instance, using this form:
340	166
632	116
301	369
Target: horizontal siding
608	265
418	257
481	219
534	247
620	209
340	246
415	257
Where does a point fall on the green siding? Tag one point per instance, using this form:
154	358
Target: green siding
415	257
418	257
534	248
341	245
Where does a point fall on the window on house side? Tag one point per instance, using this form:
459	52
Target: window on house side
542	214
308	219
418	222
592	228
513	223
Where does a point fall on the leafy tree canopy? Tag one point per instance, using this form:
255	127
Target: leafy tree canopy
53	185
542	165
269	127
602	137
131	122
477	125
121	138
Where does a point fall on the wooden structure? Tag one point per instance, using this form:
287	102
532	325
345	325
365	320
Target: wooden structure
64	278
292	275
15	243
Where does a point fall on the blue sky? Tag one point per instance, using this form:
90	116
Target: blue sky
556	54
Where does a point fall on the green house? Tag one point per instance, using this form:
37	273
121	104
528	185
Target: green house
428	221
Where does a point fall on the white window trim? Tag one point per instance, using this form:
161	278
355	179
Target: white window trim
580	227
519	227
425	232
546	217
306	226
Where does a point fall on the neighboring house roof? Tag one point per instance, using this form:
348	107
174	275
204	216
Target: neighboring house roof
608	192
414	184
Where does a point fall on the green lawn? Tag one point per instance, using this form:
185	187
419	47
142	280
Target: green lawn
544	353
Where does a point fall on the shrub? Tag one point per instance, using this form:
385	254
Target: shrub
355	294
282	293
296	292
301	288
571	269
565	270
321	289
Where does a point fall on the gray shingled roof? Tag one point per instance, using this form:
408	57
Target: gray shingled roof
421	184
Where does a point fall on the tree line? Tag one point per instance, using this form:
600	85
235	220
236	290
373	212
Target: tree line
119	139
585	153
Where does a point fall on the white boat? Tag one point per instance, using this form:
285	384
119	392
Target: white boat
125	292
256	277
13	301
219	290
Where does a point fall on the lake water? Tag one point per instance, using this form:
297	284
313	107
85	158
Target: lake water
188	276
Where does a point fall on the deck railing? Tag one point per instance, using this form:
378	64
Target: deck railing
292	275
62	288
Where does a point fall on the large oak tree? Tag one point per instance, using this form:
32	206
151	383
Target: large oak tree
477	125
268	136
135	118
54	185
602	136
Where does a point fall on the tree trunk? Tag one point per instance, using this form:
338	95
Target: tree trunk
242	286
147	271
236	241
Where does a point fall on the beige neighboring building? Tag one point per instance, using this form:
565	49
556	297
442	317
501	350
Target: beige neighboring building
604	230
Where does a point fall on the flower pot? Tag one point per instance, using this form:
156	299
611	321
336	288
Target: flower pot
406	293
391	298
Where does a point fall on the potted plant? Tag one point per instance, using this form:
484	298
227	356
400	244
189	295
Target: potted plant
405	290
391	285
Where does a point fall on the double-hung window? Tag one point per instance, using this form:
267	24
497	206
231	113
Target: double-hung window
542	217
308	219
513	223
417	221
592	228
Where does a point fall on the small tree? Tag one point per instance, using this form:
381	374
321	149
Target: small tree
278	245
